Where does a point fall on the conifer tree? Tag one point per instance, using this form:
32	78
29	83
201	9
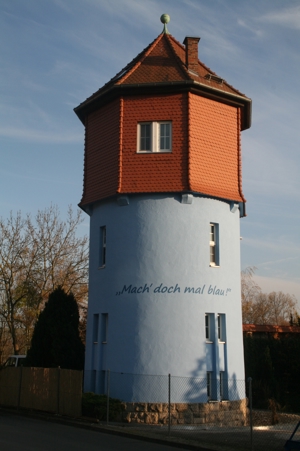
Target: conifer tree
56	341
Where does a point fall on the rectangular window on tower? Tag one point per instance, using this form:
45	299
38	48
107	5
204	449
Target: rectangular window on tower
165	137
214	245
102	253
223	386
104	328
221	328
145	137
209	385
209	329
95	328
154	137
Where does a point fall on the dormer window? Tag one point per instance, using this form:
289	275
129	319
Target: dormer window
154	137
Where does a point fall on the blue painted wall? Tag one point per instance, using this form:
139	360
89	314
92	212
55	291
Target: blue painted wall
156	287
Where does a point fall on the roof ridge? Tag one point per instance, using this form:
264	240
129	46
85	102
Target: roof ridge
125	70
214	73
182	64
145	71
141	57
204	66
199	61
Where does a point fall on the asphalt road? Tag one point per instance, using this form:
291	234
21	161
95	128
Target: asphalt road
18	433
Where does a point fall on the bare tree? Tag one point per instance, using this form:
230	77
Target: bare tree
294	319
17	254
260	310
274	308
249	292
281	307
36	256
62	257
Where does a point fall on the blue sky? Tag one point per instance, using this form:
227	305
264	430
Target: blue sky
56	53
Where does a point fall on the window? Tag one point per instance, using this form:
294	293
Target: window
155	137
165	136
104	327
145	137
209	327
214	244
222	386
95	328
102	256
208	384
221	327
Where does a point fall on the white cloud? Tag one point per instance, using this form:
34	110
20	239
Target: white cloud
289	17
65	6
270	174
42	177
251	27
279	245
57	53
40	136
269	284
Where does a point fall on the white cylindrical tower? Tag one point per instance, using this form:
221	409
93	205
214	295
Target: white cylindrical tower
158	290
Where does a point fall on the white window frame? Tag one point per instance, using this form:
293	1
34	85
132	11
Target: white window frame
140	128
209	317
221	327
214	244
155	137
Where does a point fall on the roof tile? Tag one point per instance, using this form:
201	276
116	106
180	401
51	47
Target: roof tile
163	61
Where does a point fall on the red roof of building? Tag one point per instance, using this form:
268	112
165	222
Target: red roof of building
163	64
270	329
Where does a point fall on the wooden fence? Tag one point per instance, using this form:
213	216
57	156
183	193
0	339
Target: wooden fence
48	389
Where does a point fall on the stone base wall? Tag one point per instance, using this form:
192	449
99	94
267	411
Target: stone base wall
223	413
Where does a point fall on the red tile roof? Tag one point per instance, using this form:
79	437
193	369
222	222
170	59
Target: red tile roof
163	63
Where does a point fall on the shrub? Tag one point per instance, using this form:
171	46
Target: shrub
95	406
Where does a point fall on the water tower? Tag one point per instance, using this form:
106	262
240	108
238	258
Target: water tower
163	189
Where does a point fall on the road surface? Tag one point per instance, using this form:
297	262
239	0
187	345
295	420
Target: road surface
18	433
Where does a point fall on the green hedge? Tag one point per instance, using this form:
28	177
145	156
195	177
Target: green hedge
95	406
274	365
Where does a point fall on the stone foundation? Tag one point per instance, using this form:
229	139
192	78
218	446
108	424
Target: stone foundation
223	413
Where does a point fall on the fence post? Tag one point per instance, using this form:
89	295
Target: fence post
20	386
58	389
169	402
250	412
107	396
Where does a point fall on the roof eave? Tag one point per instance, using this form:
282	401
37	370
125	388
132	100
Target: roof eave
109	94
